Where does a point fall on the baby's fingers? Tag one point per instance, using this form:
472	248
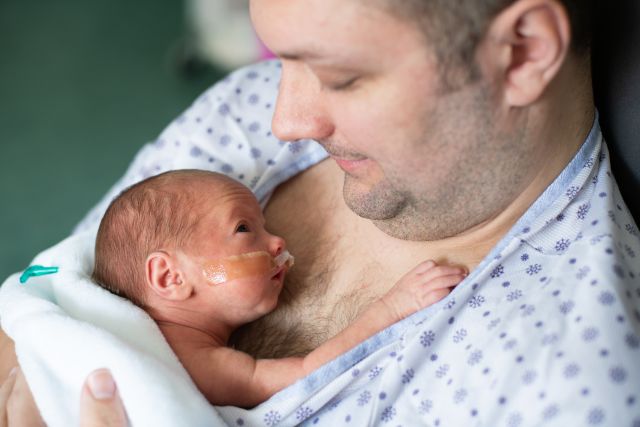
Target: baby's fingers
433	297
423	267
440	282
437	285
442	271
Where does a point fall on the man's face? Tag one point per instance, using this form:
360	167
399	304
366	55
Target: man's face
422	162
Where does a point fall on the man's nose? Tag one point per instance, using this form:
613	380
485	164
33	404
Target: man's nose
299	111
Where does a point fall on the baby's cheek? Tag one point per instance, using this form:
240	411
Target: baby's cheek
248	292
238	267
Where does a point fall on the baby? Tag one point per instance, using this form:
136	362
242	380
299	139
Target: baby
190	247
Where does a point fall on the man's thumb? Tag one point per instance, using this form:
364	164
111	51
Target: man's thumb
100	404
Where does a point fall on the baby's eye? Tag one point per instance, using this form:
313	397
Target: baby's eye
242	228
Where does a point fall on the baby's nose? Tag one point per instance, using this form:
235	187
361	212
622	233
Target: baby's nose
277	245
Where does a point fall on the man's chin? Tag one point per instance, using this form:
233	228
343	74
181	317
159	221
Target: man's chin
394	228
402	229
371	202
389	210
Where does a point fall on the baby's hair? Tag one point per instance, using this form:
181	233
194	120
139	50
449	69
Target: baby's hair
154	214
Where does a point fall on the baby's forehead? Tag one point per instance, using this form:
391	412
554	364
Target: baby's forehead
206	181
220	191
223	185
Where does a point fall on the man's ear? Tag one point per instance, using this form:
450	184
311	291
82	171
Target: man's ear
528	43
165	278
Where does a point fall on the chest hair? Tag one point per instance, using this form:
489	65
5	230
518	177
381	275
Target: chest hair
323	292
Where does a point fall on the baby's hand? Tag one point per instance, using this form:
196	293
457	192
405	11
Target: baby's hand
426	284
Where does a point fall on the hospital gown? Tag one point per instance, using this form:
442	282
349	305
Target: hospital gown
545	331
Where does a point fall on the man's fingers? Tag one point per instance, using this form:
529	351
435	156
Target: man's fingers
17	407
100	404
21	407
5	393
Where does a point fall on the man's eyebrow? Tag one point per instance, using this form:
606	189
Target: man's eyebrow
317	58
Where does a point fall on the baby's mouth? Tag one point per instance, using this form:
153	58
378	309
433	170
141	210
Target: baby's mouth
279	275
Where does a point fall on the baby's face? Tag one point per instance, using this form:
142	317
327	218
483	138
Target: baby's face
230	255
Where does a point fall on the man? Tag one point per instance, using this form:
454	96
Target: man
458	134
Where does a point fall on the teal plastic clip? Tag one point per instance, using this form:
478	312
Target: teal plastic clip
37	270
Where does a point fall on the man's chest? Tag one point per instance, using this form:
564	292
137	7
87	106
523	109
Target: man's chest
336	272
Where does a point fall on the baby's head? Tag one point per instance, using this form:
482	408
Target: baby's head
190	235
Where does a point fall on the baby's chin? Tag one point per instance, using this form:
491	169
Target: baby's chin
271	304
258	312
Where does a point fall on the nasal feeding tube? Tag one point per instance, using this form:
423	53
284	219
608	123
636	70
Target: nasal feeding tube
251	264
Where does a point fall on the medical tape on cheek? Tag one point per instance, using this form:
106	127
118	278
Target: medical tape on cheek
252	264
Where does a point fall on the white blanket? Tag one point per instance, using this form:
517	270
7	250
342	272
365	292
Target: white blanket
49	316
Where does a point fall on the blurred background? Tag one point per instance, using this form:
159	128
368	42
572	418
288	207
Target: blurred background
83	85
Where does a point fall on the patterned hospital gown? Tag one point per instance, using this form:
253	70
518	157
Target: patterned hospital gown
545	331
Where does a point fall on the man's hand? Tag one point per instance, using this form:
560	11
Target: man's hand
426	284
100	404
17	407
5	393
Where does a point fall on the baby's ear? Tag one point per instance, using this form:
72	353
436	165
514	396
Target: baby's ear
165	278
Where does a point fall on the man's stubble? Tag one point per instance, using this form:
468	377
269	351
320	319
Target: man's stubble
480	174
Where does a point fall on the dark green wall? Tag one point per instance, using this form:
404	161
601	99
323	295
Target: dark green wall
83	84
